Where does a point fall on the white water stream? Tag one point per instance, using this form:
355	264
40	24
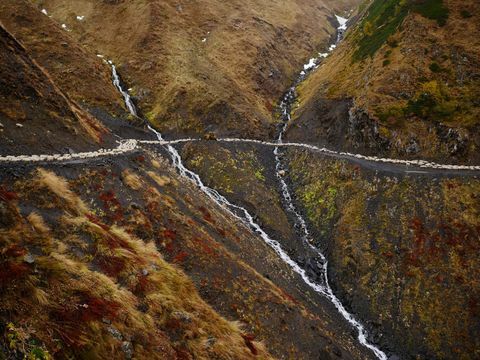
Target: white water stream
300	223
243	215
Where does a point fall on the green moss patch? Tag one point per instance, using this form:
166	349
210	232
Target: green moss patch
384	17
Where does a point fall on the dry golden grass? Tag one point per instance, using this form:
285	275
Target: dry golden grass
37	223
60	188
160	180
132	180
72	298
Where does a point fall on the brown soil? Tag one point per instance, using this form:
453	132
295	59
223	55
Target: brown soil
33	107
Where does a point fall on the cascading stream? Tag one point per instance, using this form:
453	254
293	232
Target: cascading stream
300	223
244	216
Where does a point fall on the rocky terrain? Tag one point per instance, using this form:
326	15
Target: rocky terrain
403	250
403	84
329	220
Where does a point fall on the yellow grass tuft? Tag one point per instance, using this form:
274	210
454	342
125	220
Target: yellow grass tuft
132	180
160	180
60	188
37	223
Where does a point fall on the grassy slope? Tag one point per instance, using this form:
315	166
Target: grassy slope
228	83
93	287
413	66
33	105
105	277
43	37
403	252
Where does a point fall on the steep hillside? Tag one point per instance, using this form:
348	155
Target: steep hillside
405	83
83	280
403	251
197	66
119	256
61	56
33	107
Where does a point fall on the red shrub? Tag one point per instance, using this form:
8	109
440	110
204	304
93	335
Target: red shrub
388	254
205	247
142	284
98	309
107	196
222	232
169	247
6	195
152	207
111	265
169	234
249	342
88	308
115	242
183	354
288	297
97	221
180	257
206	215
11	271
15	251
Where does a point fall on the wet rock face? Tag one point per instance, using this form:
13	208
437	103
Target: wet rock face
363	132
338	125
455	142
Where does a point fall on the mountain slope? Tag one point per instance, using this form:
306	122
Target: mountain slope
403	84
33	106
203	66
120	256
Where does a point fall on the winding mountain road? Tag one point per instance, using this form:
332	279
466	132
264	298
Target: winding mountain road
371	162
415	167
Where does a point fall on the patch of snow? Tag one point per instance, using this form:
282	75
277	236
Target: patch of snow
332	47
44	12
80	18
204	40
323	55
342	22
311	64
100	56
